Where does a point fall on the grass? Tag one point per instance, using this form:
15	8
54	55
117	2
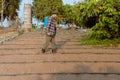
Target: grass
101	43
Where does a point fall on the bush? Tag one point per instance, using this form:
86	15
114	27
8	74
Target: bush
102	16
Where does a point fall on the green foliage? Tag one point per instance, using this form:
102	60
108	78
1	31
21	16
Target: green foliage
108	25
88	13
68	13
43	8
101	43
0	5
102	16
10	7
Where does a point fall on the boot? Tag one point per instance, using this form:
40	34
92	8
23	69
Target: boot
43	50
53	50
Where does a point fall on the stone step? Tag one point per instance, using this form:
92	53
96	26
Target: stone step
21	59
58	34
39	58
41	39
62	77
21	51
62	51
5	47
23	43
78	51
59	46
60	68
42	42
44	36
85	47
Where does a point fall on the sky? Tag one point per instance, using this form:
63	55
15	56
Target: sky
71	2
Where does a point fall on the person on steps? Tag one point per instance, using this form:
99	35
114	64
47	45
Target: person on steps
51	32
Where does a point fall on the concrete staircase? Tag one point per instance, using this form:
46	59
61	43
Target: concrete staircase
21	59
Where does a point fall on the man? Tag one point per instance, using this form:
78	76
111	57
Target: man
51	32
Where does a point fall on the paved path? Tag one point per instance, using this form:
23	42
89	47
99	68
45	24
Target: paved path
21	59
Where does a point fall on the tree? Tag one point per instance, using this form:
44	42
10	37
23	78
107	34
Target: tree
108	25
43	8
0	5
102	16
70	13
10	7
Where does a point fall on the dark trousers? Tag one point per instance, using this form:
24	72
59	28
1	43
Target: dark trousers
50	39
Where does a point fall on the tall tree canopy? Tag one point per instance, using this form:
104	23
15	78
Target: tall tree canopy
0	5
10	7
43	8
69	13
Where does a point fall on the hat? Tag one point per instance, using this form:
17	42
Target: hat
55	12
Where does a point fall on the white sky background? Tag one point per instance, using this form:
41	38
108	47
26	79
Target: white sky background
71	1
